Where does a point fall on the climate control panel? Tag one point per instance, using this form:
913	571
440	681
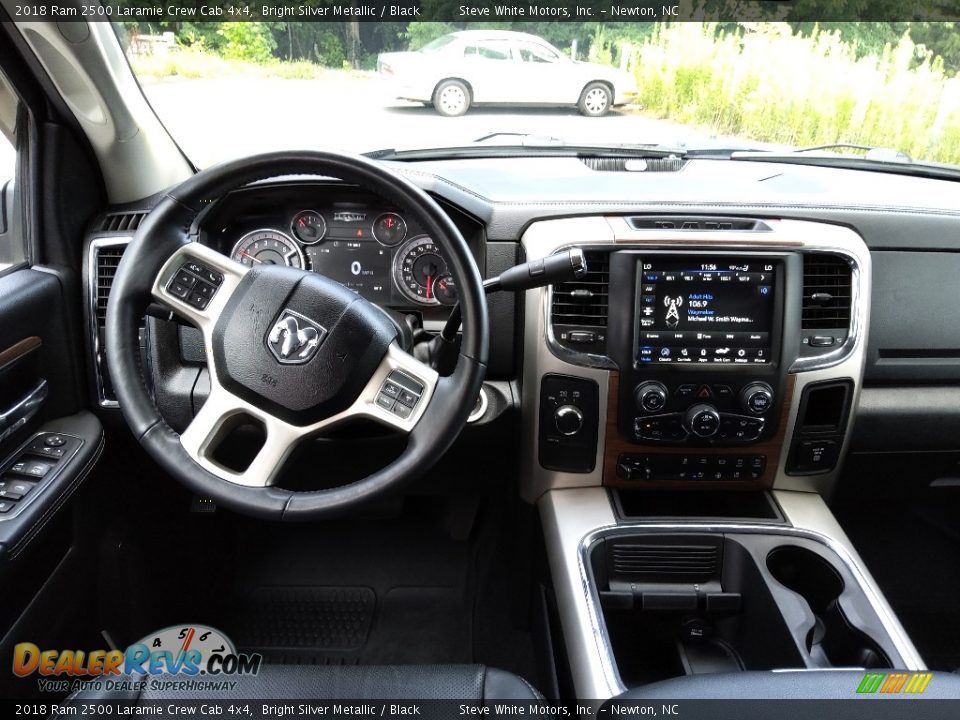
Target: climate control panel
700	413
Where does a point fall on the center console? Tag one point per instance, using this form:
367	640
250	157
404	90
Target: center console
696	354
686	405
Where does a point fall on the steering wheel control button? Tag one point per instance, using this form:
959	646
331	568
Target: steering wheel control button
385	401
198	301
195	283
391	389
402	411
400	394
30	468
406	381
14	489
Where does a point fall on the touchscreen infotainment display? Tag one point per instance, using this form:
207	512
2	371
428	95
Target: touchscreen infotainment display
702	310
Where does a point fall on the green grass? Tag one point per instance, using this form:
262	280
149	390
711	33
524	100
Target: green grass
770	85
190	63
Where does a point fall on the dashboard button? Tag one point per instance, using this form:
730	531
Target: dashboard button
685	391
722	392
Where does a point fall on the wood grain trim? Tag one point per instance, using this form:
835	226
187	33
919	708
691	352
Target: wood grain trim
18	350
773	448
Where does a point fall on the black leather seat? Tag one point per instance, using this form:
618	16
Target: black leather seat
473	683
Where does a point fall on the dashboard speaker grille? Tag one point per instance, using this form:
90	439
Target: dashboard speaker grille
654	562
827	283
108	258
584	302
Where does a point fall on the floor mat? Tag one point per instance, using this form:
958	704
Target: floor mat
321	618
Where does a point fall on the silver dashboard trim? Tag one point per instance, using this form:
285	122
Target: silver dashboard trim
93	331
543	355
566	512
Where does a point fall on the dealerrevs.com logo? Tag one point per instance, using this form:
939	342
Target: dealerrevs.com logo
180	657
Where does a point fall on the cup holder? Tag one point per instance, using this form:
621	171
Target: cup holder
832	641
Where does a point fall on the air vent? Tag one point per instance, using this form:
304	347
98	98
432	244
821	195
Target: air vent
664	563
122	222
827	285
628	164
710	224
107	258
583	303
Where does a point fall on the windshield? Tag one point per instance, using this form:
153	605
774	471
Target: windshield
227	89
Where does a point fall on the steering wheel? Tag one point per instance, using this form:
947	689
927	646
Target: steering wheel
290	351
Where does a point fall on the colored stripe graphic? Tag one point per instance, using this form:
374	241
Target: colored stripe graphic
918	683
870	683
893	683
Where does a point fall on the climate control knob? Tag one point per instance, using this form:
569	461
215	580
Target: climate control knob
756	398
702	420
568	419
650	396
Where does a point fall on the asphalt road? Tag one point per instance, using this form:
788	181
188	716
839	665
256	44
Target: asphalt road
217	119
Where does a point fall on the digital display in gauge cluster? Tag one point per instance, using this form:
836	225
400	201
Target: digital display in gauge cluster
361	265
374	253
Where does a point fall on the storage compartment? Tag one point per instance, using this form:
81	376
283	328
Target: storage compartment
681	603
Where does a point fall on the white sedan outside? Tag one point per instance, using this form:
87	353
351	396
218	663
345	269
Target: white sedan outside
500	67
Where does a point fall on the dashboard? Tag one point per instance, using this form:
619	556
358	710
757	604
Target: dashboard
742	325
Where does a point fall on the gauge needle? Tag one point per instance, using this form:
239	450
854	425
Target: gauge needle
244	253
429	287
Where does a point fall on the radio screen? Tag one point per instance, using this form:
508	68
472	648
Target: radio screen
705	311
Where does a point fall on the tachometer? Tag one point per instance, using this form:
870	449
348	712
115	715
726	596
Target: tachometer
308	226
268	247
416	267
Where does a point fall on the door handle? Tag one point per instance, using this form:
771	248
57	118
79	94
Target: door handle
16	416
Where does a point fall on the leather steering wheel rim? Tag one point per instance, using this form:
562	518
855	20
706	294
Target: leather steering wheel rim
170	229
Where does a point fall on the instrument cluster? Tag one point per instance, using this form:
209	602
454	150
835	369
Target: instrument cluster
374	252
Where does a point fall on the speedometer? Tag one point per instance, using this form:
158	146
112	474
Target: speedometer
268	247
416	267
